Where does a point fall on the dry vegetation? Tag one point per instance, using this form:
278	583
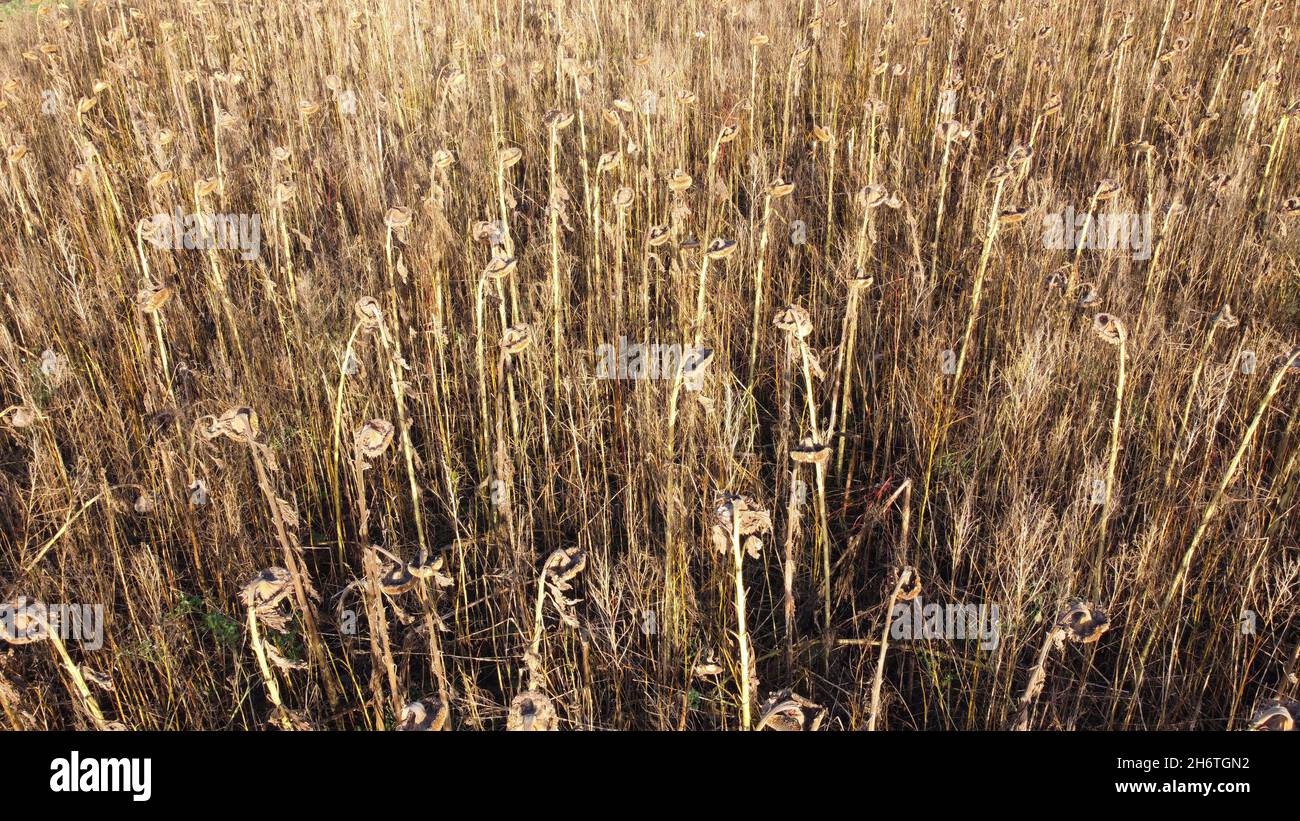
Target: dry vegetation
369	477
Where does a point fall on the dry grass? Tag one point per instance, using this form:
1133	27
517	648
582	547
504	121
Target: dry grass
394	411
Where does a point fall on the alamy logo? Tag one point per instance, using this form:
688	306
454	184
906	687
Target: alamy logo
26	622
347	102
49	102
637	361
798	232
77	774
223	232
798	493
968	622
948	103
1067	230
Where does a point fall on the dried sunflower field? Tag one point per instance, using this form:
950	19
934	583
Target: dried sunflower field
545	364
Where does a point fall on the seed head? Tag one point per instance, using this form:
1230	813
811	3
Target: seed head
531	710
427	714
1109	328
1083	622
373	438
516	339
794	320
